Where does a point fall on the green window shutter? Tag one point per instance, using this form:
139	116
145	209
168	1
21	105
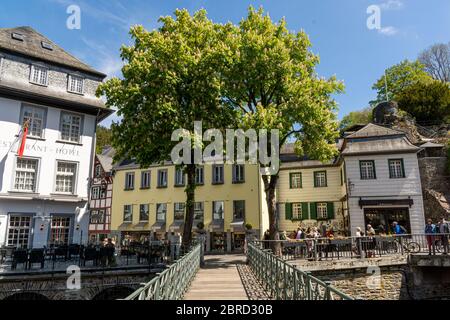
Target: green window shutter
305	211
313	211
314	176
288	211
290	180
330	208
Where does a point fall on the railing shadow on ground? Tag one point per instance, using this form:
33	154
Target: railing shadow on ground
285	282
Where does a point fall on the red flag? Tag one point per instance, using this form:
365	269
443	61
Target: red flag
24	139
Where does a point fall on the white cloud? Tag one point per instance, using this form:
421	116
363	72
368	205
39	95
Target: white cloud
392	5
388	31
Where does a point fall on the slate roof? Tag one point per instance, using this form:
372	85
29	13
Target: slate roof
31	46
373	130
106	158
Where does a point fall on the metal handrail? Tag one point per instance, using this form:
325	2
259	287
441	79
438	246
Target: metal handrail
286	282
173	282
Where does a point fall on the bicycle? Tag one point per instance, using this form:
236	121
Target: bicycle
408	247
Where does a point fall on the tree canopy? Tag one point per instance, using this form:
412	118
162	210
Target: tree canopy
436	60
104	136
356	117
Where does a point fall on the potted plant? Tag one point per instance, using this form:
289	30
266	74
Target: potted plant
200	227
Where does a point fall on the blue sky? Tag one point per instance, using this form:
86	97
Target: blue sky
337	29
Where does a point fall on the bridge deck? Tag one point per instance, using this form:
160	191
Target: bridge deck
225	277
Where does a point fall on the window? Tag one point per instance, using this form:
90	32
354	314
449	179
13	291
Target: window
36	117
70	127
145	179
297	211
102	192
97	217
144	212
162	178
128	213
75	84
161	210
179	177
367	169
60	230
217	174
322	211
26	175
238	173
19	231
396	169
66	177
199	175
239	210
198	211
129	181
178	211
218	210
95	194
320	179
295	180
39	75
98	171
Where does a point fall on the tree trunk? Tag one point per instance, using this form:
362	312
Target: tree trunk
270	187
190	201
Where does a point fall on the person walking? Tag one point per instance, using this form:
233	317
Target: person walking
298	235
430	230
444	230
398	229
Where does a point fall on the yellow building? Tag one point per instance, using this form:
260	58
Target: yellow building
150	203
311	194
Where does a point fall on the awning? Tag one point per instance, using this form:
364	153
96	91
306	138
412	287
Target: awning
124	226
176	226
159	226
238	226
216	225
386	202
140	225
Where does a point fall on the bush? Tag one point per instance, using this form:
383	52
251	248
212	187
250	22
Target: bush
248	226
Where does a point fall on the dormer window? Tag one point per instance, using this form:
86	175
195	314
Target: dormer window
17	36
39	75
47	45
75	84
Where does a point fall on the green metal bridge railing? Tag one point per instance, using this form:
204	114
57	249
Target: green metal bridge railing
285	282
173	282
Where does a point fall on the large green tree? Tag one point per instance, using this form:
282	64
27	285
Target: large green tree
426	101
356	117
171	78
271	80
399	77
104	137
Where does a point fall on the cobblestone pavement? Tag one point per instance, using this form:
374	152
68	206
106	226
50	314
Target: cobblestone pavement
254	289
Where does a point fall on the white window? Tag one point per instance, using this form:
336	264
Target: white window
199	175
129	181
218	174
161	210
396	169
367	169
75	84
60	230
179	177
218	210
98	171
71	127
35	116
26	175
198	211
145	179
39	75
296	211
95	193
162	178
296	180
322	211
179	209
19	231
144	211
127	213
97	216
238	173
65	177
320	179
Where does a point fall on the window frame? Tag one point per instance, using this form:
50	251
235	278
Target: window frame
81	128
130	213
140	212
69	79
291	185
75	178
44	119
374	172
69	227
149	180
319	204
95	195
158	205
36	179
127	187
166	180
214	167
297	216
214	212
196	210
234	210
100	172
32	68
315	181
183	177
402	164
175	210
202	182
30	227
235	175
